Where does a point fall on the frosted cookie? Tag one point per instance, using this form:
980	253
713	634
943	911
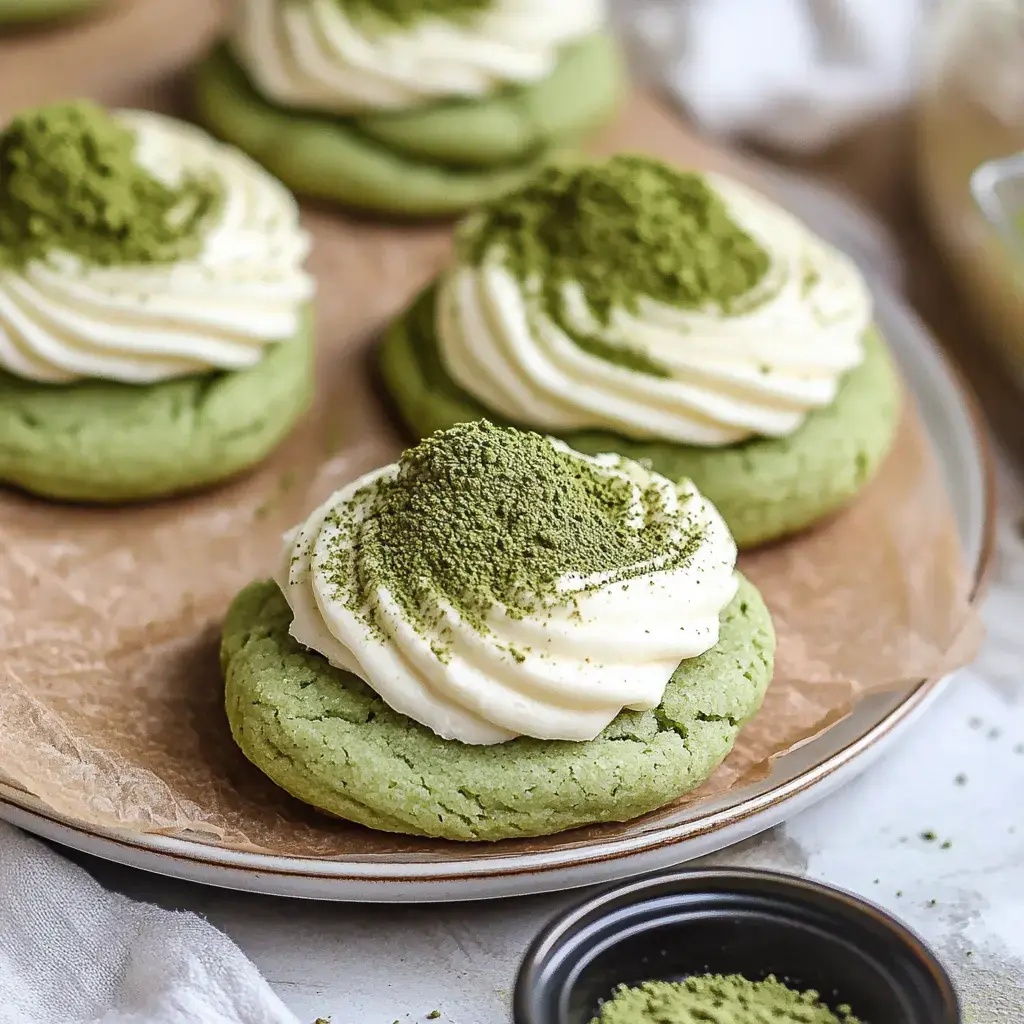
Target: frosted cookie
413	109
498	637
666	315
155	331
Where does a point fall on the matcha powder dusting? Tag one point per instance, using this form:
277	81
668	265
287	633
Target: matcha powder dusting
719	999
485	514
405	13
623	229
69	182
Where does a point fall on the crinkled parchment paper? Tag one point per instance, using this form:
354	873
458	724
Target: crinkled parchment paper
110	696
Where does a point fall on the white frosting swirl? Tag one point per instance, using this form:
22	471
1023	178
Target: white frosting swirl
727	377
577	665
313	54
62	320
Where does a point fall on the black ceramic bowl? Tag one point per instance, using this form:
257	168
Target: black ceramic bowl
752	923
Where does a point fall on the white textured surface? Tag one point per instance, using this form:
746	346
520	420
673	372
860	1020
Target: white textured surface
378	964
74	952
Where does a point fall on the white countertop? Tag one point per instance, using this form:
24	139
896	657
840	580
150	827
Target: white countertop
959	774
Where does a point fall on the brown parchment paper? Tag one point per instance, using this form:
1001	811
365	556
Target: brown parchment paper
122	49
110	696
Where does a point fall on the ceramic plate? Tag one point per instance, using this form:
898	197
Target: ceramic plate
797	780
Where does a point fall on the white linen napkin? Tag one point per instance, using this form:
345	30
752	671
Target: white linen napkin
72	952
794	74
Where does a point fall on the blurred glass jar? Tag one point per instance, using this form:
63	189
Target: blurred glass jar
972	115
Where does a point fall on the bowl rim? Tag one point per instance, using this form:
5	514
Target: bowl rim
717	879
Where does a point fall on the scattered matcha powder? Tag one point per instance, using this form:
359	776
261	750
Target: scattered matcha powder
623	229
433	1015
929	836
718	999
404	13
947	845
483	515
69	182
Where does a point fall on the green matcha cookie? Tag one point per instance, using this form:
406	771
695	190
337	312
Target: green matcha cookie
100	441
17	12
437	161
765	487
325	737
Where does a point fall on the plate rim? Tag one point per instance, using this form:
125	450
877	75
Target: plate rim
430	873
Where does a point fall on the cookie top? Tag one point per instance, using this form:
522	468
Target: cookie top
328	739
662	304
136	248
495	583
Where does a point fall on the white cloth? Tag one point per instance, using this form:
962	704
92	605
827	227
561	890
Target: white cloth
794	74
73	953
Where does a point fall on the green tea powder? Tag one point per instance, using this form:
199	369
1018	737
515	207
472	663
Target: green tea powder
622	230
401	14
69	181
719	999
484	514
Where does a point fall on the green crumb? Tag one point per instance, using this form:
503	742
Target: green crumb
946	845
433	1015
479	515
327	1020
69	182
961	779
404	13
809	281
931	903
929	836
624	229
899	893
719	999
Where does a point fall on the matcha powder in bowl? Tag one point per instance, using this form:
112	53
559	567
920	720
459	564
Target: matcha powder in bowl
719	999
